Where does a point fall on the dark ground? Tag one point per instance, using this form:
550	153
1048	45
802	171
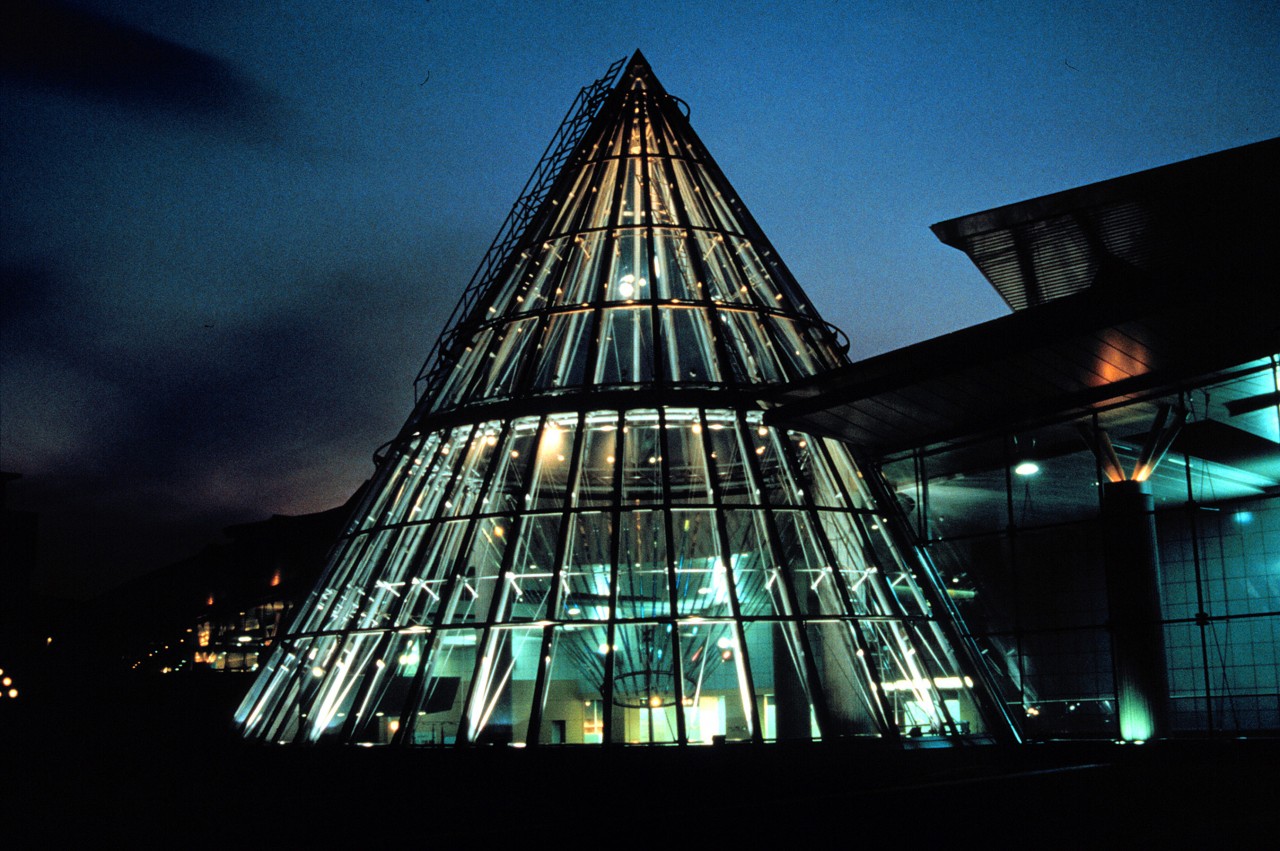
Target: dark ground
152	761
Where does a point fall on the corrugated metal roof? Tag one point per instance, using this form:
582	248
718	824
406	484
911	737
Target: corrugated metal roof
1046	248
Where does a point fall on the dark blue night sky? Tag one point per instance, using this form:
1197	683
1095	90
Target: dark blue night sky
230	232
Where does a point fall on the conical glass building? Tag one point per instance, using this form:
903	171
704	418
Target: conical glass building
585	534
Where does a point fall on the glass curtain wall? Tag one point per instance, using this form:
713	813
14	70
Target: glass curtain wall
587	535
1014	525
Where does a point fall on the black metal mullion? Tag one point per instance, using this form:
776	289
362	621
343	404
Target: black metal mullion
1202	616
673	603
606	690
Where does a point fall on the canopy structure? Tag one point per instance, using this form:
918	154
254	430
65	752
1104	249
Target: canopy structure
585	533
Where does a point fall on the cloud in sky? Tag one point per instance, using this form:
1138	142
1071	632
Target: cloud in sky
71	50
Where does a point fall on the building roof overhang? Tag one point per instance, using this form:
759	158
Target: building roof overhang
1122	288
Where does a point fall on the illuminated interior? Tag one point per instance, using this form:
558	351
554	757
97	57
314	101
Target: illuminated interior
585	533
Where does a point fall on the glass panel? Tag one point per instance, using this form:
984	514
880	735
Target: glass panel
540	273
440	479
572	708
512	286
551	470
845	673
513	476
713	701
529	580
846	544
895	586
633	211
661	203
909	687
673	145
672	269
626	346
462	376
515	341
642	467
391	586
448	679
1069	683
724	284
340	602
473	590
1061	579
629	278
570	214
385	698
599	460
564	353
723	216
778	672
402	482
692	195
335	699
439	553
645	698
700	575
731	477
584	270
584	579
500	702
967	490
811	577
604	197
755	576
688	353
317	673
480	449
776	472
686	458
818	480
796	347
643	581
754	358
847	473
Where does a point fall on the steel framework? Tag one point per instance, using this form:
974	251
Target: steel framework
585	532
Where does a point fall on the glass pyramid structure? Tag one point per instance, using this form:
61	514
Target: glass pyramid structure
585	533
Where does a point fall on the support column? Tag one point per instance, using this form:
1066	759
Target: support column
1133	598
